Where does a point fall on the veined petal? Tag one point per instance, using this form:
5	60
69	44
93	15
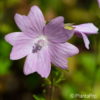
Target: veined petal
86	40
37	19
22	47
55	30
58	59
31	64
68	49
59	53
38	62
25	24
87	28
12	37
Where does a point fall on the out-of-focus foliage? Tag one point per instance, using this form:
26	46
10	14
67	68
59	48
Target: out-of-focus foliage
5	63
39	97
83	75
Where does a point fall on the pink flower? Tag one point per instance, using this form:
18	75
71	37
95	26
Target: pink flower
42	44
85	29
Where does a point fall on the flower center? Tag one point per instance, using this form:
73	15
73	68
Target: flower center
39	43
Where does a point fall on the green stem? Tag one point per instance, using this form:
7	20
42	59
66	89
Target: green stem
52	87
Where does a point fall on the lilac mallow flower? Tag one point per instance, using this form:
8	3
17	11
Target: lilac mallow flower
82	30
42	44
85	29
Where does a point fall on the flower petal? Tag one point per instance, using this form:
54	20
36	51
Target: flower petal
55	30
69	30
22	47
37	19
38	62
12	37
86	41
88	28
60	52
30	64
24	23
69	33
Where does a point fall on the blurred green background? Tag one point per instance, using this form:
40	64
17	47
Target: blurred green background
83	75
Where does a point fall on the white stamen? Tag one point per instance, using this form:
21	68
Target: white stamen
39	43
